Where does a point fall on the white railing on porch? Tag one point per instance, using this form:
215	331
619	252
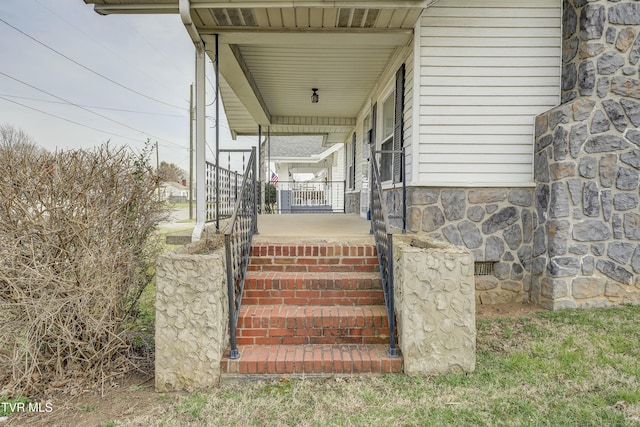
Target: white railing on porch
309	196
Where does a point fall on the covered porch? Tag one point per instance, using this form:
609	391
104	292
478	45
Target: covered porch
303	67
307	294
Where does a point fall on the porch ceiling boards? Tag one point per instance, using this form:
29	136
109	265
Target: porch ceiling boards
272	53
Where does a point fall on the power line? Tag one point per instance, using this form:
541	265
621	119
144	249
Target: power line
80	124
210	149
95	106
85	109
160	52
67	120
89	69
98	42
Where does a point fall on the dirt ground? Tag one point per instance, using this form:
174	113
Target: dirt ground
511	311
135	395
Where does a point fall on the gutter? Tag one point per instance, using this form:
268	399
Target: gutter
185	13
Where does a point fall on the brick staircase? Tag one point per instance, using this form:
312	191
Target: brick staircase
313	309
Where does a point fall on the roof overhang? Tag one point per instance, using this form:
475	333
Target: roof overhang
272	53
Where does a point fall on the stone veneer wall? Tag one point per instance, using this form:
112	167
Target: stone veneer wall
191	317
495	224
435	306
352	202
587	233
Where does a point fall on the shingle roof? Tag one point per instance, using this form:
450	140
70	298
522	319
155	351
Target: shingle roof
300	146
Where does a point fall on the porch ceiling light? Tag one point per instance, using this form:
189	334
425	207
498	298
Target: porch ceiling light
314	96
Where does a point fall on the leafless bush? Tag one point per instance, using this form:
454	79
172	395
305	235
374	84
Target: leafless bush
76	250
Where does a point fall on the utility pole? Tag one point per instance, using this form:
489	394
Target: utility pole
191	152
157	158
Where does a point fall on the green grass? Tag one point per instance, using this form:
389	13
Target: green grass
87	408
570	368
193	405
7	405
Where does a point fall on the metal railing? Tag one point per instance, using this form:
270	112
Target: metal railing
237	241
384	244
307	197
403	180
222	186
230	184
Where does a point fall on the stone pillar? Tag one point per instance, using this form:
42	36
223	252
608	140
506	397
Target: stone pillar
191	317
586	246
435	306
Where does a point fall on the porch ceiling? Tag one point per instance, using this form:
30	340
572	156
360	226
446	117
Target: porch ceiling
272	53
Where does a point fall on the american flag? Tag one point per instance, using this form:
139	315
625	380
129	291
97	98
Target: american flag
274	179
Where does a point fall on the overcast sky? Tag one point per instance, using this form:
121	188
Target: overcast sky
146	63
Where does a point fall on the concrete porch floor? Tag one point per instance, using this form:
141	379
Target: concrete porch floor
313	227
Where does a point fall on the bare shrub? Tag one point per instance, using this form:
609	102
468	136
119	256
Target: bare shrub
76	250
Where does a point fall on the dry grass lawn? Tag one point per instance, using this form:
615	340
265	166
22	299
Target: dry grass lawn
571	368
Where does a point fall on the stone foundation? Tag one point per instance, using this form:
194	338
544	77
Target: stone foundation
191	317
352	202
587	164
435	306
495	224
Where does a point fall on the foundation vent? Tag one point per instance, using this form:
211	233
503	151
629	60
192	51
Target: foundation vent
483	268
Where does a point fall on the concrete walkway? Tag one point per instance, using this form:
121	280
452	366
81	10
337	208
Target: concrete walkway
313	227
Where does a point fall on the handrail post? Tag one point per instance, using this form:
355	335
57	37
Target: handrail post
238	234
371	155
234	354
384	245
255	191
393	351
404	192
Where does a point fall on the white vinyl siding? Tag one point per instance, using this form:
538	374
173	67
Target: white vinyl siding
408	114
486	70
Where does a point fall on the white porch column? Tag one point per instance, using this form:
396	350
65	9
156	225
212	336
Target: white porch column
201	106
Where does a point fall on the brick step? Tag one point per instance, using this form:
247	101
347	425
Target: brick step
270	288
264	249
282	324
312	309
313	257
311	360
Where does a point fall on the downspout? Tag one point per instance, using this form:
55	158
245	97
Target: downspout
185	15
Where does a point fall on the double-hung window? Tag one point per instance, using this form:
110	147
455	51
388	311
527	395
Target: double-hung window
391	160
386	158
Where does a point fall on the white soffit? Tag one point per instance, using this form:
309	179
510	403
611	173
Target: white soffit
272	53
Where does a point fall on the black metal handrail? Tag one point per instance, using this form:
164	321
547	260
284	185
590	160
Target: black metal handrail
384	244
403	180
237	241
